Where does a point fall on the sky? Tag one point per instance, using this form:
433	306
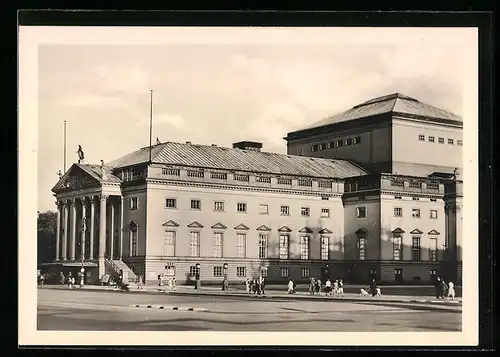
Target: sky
220	92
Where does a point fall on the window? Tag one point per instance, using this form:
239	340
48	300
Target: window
340	143
195	173
304	183
134	241
284	181
356	140
305	272
241	272
194	244
434	214
262	179
304	211
193	270
133	203
325	198
219	206
170	203
262	246
283	246
217	271
397	247
170	172
331	145
325	212
264	272
421	137
415	213
433	249
361	248
322	146
169	244
217	245
241	245
431	139
325	243
450	141
304	247
218	176
460	142
285	210
397	197
415	248
361	211
314	147
416	199
195	204
441	140
263	209
433	200
348	142
398	212
244	178
241	207
170	271
284	272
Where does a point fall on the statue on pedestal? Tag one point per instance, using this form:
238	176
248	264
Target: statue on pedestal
81	155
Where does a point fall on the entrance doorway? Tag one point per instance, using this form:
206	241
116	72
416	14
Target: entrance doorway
373	275
325	275
398	276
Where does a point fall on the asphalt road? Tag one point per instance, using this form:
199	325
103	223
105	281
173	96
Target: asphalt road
93	311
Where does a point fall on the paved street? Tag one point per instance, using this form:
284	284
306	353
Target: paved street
112	311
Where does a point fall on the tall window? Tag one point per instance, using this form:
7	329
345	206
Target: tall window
433	249
415	248
285	210
219	206
361	212
240	244
434	214
283	246
325	248
217	245
262	246
195	204
133	203
134	240
396	247
194	244
169	244
284	272
241	207
304	247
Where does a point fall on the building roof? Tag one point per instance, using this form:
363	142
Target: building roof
94	171
397	103
234	159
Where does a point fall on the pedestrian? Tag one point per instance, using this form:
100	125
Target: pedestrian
328	287
174	284
341	287
247	285
63	279
290	286
451	290
70	280
378	291
42	279
261	285
139	283
159	280
373	288
437	287
294	287
312	286
335	287
444	287
318	286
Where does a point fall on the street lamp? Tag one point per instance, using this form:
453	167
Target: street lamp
197	277
82	270
224	282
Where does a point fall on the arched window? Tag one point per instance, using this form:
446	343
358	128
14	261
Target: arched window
134	239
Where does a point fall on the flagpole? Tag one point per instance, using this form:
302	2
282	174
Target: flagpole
150	125
64	147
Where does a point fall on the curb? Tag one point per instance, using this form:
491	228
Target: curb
163	307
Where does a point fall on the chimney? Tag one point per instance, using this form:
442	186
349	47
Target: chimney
248	145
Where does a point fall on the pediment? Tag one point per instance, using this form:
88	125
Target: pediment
263	228
433	233
398	231
306	230
284	229
75	179
195	224
361	232
325	231
416	231
170	224
241	227
218	225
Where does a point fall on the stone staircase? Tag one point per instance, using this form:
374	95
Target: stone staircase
114	267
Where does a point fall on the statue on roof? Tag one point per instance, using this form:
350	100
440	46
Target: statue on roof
80	153
59	173
158	141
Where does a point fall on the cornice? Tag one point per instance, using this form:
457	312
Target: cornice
393	193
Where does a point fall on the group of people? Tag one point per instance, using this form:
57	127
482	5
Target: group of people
255	285
169	284
444	289
316	287
68	280
40	279
373	289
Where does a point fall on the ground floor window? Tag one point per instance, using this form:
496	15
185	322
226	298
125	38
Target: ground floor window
241	272
193	270
284	272
170	271
305	272
217	271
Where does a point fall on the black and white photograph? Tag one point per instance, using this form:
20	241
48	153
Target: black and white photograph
248	185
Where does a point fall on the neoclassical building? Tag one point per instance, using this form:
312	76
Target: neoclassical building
358	195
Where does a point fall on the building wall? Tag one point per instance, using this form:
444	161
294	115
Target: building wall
139	216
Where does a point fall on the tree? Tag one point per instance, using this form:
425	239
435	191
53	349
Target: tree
46	227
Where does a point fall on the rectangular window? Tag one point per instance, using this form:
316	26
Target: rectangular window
217	271
396	248
340	143
195	173
217	245
421	137
416	199
361	212
348	142
314	147
135	242
196	204
263	209
285	210
218	176
194	244
325	212
284	272
433	249
219	206
283	246
305	272
133	203
415	248
304	183
263	179
460	142
441	140
361	248
241	207
398	212
331	145
241	272
169	244
193	270
262	246
397	197
433	200
170	203
450	141
325	243
244	178
304	247
434	214
264	272
304	211
356	140
241	245
284	181
322	146
416	213
170	172
431	139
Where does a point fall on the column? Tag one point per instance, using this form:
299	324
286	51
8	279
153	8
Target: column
121	227
58	236
84	225
92	227
102	234
112	229
72	246
65	233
